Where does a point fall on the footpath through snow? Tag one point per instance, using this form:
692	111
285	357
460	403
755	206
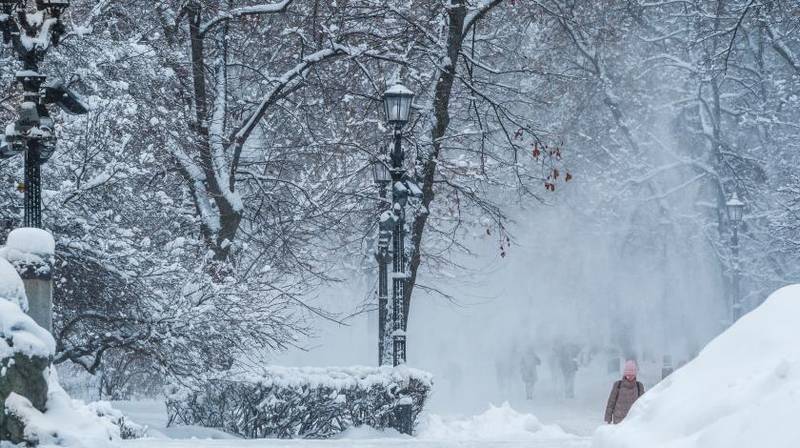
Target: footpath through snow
498	427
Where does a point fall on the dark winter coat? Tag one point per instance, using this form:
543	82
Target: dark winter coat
529	368
623	395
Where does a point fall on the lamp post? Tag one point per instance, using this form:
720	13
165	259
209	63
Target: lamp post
382	177
30	35
735	208
397	106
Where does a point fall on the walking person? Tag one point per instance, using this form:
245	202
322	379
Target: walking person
529	368
567	359
624	393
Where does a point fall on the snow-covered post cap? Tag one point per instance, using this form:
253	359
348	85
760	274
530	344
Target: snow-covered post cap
31	251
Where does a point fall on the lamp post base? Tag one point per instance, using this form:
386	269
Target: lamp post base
403	418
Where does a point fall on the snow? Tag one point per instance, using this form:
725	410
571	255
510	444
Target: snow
11	286
41	39
379	442
333	377
66	422
153	415
246	10
497	427
398	89
28	240
368	433
501	423
26	74
742	391
415	190
29	247
18	332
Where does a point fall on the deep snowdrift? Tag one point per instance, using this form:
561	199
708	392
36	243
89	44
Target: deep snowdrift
742	391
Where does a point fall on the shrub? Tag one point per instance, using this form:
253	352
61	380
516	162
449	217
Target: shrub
283	402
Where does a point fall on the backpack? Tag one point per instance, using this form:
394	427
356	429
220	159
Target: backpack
639	388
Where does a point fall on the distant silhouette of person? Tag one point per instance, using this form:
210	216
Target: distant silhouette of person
567	359
529	368
624	393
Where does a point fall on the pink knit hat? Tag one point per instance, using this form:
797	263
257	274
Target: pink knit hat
630	368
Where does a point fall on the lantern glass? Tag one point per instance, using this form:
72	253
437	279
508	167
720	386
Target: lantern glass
380	172
397	104
735	209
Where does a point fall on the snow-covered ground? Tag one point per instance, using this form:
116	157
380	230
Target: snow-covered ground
499	426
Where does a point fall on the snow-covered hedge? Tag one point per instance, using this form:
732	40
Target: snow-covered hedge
286	402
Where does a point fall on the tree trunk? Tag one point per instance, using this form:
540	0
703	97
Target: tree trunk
218	239
441	107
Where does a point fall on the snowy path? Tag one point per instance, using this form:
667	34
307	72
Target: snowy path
500	427
578	442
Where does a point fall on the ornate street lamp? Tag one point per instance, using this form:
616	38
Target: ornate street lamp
397	106
735	208
30	36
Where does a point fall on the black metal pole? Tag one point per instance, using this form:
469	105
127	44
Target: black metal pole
33	186
405	424
398	252
32	82
383	278
736	304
